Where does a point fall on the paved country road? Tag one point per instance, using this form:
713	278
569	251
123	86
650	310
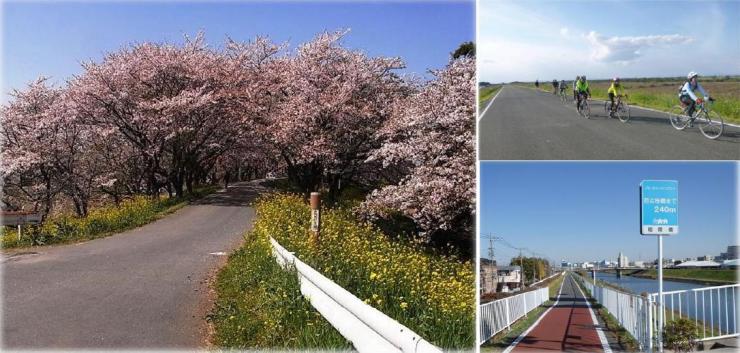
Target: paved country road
567	326
144	288
526	124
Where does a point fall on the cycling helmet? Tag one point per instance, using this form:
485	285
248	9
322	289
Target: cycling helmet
583	77
616	79
691	75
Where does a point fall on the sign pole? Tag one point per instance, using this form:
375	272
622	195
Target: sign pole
661	313
659	217
19	232
315	217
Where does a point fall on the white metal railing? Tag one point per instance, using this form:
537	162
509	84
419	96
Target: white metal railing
499	314
545	279
367	328
713	309
631	311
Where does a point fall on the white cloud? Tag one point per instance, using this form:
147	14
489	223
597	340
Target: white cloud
627	49
564	32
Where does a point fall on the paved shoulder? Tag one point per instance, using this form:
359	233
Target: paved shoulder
528	124
138	289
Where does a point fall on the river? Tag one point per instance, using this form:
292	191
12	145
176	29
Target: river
715	307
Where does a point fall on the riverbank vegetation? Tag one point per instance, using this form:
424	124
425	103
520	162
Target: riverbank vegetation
701	275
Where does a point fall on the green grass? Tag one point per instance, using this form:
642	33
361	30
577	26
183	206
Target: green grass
706	275
100	222
431	293
260	305
504	338
485	94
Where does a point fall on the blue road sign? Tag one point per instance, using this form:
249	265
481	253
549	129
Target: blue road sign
659	207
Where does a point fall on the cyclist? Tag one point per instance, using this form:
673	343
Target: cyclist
687	95
575	91
615	90
537	83
582	90
554	86
562	86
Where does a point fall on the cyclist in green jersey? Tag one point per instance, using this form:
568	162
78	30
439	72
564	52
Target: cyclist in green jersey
615	90
582	90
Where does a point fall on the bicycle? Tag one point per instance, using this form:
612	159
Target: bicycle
710	123
622	110
584	109
564	97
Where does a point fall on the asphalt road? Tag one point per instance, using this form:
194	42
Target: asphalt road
525	124
567	327
141	289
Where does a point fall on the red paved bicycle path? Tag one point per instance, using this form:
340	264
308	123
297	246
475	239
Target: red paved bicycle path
566	327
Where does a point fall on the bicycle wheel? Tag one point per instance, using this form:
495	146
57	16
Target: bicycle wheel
678	117
623	112
606	108
585	109
711	125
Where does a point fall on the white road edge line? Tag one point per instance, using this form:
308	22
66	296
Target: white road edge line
491	102
599	330
525	333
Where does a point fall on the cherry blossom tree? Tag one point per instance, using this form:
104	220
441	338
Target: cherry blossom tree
431	136
46	151
174	105
334	100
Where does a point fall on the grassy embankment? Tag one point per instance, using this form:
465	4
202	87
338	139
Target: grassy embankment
100	222
485	94
503	339
711	276
663	95
259	305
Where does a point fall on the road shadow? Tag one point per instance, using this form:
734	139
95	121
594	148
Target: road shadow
236	195
567	302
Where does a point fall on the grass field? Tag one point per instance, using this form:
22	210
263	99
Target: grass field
485	94
503	339
707	275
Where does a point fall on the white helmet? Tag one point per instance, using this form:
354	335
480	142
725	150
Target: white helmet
691	75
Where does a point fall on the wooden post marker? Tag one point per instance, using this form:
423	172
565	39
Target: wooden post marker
315	217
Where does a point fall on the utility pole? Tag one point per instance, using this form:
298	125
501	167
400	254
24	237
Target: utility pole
491	239
521	264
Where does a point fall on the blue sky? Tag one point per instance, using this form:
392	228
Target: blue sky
51	38
590	211
527	40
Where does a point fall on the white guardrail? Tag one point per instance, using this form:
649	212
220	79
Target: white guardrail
368	329
499	314
628	309
713	310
